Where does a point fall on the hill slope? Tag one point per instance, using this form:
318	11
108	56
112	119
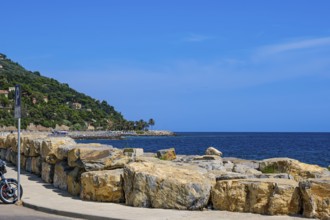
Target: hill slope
47	102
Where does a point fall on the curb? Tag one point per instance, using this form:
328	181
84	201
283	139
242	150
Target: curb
65	213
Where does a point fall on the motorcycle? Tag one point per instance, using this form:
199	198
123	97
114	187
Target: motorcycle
8	187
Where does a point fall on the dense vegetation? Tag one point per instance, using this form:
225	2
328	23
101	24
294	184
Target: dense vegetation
47	102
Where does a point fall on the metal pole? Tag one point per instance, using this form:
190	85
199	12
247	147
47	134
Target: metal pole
19	161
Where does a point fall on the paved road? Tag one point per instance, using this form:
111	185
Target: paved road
14	212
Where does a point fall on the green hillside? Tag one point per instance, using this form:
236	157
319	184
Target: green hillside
47	102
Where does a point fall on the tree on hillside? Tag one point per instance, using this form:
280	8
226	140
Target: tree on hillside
48	102
151	122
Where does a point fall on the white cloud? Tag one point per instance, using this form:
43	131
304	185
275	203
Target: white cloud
297	45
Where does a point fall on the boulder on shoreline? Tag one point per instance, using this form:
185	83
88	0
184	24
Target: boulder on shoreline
103	186
299	171
93	157
262	196
154	185
55	149
213	151
166	154
316	198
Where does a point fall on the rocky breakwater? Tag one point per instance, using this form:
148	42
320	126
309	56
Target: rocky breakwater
61	161
115	135
102	173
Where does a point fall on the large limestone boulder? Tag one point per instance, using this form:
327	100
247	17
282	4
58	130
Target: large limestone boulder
13	157
213	151
55	149
61	172
168	186
3	152
103	186
298	170
2	142
84	152
32	147
14	144
316	198
47	172
93	158
8	154
11	141
27	140
263	196
33	165
74	181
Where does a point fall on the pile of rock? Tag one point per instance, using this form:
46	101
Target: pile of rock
166	180
61	161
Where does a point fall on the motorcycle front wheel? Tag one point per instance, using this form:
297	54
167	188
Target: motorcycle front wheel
8	192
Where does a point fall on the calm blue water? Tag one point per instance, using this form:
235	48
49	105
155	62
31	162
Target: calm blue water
313	148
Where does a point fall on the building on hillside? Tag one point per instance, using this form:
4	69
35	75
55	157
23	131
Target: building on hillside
11	89
34	100
4	92
76	105
90	127
46	99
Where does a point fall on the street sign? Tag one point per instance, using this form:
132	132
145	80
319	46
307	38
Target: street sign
18	101
18	116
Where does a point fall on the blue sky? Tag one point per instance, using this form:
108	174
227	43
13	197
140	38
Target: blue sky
190	65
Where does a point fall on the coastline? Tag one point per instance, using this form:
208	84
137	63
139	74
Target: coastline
193	182
92	135
115	135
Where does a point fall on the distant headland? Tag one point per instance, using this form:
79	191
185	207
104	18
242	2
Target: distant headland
48	104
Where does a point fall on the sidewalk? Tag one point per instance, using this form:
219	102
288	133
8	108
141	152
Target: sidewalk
46	198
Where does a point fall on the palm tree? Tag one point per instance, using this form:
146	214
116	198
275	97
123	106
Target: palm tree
151	122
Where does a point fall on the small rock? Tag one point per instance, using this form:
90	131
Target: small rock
166	154
133	152
228	165
238	168
213	151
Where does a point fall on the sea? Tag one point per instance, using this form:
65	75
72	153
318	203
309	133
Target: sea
311	147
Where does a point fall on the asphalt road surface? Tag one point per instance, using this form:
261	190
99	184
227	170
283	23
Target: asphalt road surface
13	212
